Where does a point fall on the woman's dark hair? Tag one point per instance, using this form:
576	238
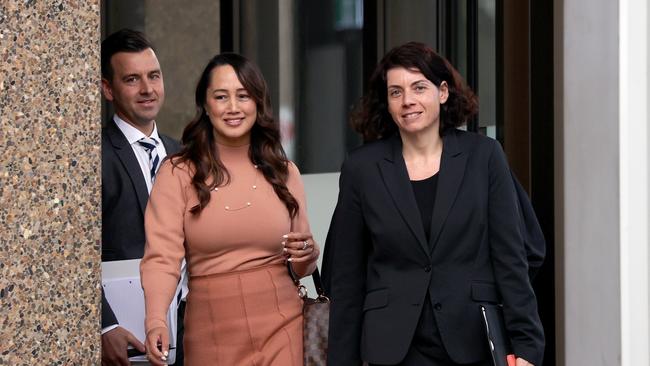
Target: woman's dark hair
265	149
371	117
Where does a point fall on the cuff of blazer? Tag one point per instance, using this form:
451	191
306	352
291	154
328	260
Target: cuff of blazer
109	328
534	355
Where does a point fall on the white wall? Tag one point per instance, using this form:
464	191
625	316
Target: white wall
633	132
322	192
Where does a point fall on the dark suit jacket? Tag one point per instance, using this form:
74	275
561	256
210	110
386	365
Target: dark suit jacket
378	265
532	232
124	199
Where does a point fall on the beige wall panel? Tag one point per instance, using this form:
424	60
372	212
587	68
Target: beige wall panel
186	36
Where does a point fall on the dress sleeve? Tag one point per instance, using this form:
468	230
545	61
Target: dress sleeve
300	222
164	249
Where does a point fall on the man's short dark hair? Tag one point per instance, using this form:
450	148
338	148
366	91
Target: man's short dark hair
124	40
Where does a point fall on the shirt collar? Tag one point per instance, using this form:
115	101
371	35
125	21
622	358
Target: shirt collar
132	134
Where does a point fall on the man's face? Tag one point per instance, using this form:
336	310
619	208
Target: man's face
136	90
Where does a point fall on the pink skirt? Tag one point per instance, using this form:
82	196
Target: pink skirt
251	317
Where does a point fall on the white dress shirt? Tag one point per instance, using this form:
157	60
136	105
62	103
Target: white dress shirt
132	135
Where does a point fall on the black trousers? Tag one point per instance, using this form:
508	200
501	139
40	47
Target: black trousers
416	358
426	347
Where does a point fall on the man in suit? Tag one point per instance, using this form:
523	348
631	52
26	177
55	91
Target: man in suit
132	151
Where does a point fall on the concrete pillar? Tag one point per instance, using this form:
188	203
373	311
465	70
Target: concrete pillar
49	182
602	182
634	185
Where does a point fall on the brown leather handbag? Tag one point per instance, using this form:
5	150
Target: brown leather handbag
316	315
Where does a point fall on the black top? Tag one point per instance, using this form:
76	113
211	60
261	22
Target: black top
425	196
427	344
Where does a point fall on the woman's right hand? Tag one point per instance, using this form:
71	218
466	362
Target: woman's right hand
157	336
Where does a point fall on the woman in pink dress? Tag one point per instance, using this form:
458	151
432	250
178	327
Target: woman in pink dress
233	206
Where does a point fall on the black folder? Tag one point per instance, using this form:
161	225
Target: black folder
497	336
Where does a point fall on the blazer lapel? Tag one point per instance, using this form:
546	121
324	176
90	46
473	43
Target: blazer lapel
125	154
452	170
396	179
171	146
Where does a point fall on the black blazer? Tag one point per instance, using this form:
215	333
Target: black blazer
124	199
378	265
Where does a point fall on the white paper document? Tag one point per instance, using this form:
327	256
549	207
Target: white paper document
123	291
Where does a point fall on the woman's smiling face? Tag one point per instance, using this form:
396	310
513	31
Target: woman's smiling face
413	100
230	107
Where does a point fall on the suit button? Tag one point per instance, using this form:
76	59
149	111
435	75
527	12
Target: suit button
427	269
437	306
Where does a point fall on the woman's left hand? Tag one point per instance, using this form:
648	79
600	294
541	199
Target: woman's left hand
300	247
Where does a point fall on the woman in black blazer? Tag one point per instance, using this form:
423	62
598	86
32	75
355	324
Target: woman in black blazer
425	228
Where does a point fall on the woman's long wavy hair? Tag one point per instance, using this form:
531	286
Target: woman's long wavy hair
371	117
199	144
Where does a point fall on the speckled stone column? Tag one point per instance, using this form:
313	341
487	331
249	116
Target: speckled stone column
49	182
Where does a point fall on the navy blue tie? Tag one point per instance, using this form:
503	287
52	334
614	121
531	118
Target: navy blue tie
149	145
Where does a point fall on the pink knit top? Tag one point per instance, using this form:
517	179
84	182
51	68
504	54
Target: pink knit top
240	228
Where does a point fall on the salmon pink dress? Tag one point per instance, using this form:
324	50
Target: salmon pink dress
242	307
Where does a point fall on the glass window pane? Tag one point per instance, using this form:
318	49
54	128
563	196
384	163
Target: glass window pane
487	67
328	81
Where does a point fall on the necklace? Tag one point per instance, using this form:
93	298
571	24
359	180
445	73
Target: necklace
247	204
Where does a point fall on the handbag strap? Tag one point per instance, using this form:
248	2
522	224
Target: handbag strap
315	277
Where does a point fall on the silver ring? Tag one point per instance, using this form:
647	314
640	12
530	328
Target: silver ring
305	244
